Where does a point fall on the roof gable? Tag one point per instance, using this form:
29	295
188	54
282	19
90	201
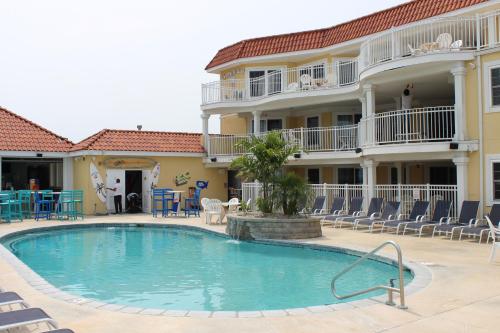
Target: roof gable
20	134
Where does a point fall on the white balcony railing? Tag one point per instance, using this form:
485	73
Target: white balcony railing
280	81
406	194
449	34
410	126
336	138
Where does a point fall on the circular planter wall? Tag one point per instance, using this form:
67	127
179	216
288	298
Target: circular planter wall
251	227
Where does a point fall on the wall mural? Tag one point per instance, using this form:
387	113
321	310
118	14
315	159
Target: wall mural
182	179
97	182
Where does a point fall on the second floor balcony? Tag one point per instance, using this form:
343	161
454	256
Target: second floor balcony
393	128
260	84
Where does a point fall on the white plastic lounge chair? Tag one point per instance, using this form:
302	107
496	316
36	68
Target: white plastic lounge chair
234	203
495	234
9	298
24	317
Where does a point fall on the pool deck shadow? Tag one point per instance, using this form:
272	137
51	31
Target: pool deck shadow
461	296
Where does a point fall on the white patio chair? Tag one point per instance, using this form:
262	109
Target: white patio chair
456	45
213	208
495	235
306	81
233	205
444	41
204	203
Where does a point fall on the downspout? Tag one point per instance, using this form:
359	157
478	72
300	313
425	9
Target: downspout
480	122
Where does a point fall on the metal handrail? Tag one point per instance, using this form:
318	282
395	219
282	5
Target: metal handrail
390	288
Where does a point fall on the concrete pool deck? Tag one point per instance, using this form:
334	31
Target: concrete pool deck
461	297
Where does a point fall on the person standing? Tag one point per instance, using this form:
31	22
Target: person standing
117	196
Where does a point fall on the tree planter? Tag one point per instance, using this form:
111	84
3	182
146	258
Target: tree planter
251	227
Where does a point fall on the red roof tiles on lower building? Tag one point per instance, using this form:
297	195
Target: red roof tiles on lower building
314	39
147	141
20	134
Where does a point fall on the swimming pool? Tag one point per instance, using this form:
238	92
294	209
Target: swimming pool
179	268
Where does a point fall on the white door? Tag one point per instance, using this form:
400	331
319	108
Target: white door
146	191
111	176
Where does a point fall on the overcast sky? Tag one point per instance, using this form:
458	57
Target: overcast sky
76	67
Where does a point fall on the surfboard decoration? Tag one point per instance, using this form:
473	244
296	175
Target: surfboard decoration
97	183
155	175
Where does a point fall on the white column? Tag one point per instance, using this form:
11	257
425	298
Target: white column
462	165
206	140
399	168
68	173
256	121
459	72
362	125
370	176
369	91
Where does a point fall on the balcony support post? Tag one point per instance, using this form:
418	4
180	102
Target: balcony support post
363	123
462	166
369	94
206	139
459	71
370	177
256	121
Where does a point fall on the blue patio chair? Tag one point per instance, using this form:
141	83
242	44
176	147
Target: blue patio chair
373	212
389	213
481	228
417	214
440	215
24	196
192	205
43	205
158	202
467	218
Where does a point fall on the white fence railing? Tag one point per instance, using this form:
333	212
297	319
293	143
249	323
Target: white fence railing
261	84
411	125
406	194
335	138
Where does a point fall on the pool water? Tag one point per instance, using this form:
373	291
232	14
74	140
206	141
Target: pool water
187	269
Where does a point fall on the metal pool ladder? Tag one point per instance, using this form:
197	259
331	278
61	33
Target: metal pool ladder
390	288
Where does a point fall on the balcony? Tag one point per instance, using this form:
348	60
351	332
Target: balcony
431	37
303	80
318	139
422	125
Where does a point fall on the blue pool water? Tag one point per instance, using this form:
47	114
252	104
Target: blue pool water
186	269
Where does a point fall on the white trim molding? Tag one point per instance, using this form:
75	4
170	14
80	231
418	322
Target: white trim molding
490	159
487	67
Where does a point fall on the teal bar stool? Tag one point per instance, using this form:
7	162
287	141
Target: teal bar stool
24	196
11	207
77	203
65	205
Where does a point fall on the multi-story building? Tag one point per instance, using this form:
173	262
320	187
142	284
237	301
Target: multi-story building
405	99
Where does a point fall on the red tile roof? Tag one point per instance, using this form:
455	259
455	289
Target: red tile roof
20	134
314	39
127	140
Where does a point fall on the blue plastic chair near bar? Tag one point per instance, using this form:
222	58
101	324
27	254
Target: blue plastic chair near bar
43	204
192	205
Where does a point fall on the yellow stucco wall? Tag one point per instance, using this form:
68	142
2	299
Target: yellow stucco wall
233	124
169	168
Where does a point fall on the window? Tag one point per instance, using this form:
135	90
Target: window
348	119
495	86
496	181
443	175
265	82
350	175
269	125
313	176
